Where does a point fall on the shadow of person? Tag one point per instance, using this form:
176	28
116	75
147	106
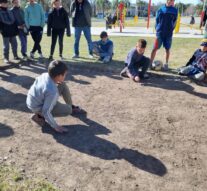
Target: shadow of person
24	81
92	70
83	139
5	131
171	82
10	100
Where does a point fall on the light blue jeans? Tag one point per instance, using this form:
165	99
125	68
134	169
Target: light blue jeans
87	34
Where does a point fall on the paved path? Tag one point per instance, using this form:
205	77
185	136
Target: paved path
185	32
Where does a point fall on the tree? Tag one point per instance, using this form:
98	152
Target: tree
103	5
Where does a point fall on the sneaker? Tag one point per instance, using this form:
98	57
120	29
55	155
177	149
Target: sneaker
75	56
40	120
61	57
6	61
17	58
50	57
31	55
165	67
106	60
40	55
76	110
25	57
124	73
90	56
146	76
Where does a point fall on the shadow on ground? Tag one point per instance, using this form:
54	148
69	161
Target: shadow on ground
14	101
171	82
5	131
83	139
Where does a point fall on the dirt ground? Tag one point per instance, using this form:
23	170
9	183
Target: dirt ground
149	137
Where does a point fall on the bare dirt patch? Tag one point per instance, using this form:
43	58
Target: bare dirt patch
149	136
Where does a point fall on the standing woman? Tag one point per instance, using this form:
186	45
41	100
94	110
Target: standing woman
58	21
35	20
81	12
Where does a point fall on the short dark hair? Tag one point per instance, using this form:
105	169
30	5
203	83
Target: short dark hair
103	34
57	68
142	42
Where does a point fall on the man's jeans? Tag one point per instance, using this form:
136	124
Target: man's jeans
13	42
87	34
23	40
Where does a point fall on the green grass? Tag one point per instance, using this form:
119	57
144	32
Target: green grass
12	180
182	49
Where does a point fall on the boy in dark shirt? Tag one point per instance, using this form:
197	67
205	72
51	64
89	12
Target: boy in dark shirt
197	65
58	21
135	61
23	32
81	12
9	30
103	48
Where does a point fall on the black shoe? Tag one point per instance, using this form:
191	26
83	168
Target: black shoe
50	57
16	58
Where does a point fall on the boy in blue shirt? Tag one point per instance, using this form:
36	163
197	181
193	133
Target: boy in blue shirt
165	23
136	64
35	20
103	48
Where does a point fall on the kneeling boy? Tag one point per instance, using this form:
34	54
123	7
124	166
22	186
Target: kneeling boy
42	98
136	61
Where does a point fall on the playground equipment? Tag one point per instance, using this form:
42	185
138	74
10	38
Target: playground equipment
118	18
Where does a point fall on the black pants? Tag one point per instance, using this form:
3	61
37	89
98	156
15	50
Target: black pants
36	33
60	34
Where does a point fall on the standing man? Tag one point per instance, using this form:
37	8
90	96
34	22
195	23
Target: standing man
35	20
19	16
165	23
81	12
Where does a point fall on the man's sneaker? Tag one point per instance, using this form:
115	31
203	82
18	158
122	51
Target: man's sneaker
61	57
16	58
40	55
50	57
146	76
165	67
90	56
31	55
25	57
6	61
75	56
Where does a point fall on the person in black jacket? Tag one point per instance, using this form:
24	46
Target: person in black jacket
9	30
81	12
58	21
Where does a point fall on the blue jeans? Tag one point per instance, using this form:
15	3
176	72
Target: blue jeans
101	53
23	40
13	42
87	34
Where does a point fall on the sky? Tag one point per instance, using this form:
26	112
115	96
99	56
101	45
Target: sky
182	1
